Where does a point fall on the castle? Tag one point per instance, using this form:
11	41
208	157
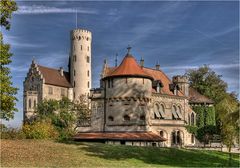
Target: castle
134	105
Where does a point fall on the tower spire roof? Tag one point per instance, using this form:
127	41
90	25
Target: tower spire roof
129	67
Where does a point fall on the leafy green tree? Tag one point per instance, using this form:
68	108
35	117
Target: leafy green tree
207	82
64	114
7	7
7	91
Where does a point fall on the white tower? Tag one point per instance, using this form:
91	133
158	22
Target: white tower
80	62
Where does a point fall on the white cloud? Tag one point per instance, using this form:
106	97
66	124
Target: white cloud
41	9
213	66
16	42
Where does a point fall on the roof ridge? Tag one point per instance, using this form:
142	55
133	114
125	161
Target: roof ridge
50	68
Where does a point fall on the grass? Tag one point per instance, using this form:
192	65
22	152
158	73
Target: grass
44	153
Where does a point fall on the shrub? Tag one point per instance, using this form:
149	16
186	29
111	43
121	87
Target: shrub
40	130
11	133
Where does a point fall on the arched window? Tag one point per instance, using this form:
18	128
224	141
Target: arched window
126	118
110	118
192	119
174	113
156	111
178	137
192	138
29	103
162	110
161	133
35	104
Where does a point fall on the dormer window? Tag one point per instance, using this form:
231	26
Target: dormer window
157	85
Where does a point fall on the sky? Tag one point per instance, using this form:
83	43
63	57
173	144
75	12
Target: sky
179	35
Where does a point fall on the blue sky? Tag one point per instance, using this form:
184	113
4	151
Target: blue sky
180	35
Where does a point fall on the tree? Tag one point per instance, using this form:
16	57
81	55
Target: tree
6	9
228	110
64	114
7	91
207	82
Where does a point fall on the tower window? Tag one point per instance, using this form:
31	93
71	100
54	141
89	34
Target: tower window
50	90
74	95
75	58
88	84
29	103
88	73
74	72
81	47
74	84
88	59
88	48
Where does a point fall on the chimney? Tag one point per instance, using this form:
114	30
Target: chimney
157	66
142	62
61	71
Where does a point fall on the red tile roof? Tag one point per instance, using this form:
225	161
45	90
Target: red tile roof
196	97
131	136
128	67
53	77
160	75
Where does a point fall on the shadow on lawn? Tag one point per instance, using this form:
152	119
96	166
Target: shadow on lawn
158	156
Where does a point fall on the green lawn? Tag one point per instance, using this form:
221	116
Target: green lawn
39	153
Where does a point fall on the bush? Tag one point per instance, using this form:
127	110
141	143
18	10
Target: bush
11	133
40	130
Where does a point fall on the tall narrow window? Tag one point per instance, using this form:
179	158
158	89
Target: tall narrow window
81	47
75	58
74	95
74	72
34	103
88	48
88	84
29	103
62	92
143	80
50	90
192	119
74	84
88	59
88	73
126	80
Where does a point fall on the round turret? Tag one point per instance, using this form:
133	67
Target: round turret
80	62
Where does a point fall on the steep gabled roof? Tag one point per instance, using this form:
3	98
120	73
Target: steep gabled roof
53	77
196	97
129	67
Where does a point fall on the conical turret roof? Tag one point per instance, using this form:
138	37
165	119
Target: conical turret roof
129	67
